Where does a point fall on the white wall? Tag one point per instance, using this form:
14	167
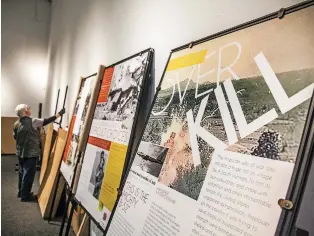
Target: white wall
24	48
85	33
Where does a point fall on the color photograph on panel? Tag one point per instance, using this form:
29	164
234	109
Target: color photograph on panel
77	125
224	133
110	135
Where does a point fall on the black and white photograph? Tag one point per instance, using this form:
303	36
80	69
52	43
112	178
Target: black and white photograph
88	90
82	105
150	158
86	105
77	103
98	173
124	92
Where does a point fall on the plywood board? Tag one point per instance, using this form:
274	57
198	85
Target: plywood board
47	187
7	140
50	136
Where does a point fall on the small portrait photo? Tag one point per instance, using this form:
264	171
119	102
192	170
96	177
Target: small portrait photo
98	173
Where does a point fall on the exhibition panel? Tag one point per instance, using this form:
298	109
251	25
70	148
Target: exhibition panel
111	135
225	136
76	134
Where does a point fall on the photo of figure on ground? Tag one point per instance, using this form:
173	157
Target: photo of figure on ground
278	140
124	92
150	158
71	157
78	99
86	105
98	171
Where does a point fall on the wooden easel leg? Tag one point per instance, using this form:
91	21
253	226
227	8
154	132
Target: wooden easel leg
67	230
83	225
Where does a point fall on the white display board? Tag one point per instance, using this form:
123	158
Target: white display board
77	125
221	143
110	135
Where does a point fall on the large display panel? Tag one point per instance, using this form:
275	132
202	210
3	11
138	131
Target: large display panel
111	135
224	133
81	110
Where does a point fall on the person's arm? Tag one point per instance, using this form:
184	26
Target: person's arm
47	121
53	118
38	123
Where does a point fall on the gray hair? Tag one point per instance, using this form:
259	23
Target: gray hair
20	110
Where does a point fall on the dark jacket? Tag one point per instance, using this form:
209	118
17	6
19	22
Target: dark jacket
27	136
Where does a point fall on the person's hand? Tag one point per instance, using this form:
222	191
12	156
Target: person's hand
61	112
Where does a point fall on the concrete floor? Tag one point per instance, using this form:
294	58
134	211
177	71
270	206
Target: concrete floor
20	218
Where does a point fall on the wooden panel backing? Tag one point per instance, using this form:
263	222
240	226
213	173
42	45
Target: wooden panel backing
7	140
49	140
48	185
79	221
84	229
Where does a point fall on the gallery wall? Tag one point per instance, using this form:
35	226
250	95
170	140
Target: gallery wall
24	47
85	34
